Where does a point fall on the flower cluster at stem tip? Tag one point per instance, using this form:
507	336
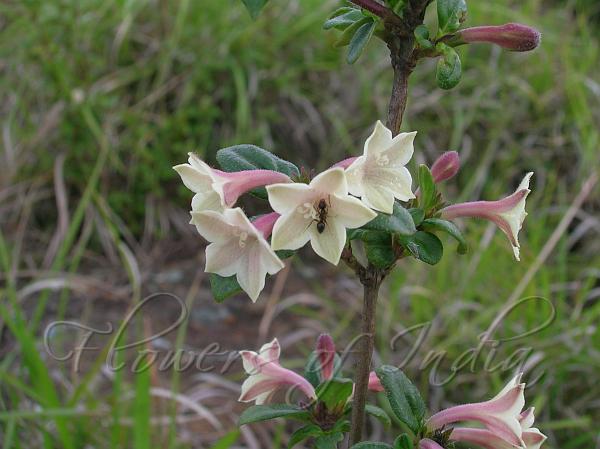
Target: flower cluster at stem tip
346	196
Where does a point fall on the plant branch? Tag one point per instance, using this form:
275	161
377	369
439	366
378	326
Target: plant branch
379	10
399	36
371	281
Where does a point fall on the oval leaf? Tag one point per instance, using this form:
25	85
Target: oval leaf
360	40
399	222
451	13
342	21
424	246
404	398
378	413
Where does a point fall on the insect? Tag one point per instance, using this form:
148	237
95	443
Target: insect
322	209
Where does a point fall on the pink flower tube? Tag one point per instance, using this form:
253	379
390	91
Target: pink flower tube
216	189
501	415
511	36
266	375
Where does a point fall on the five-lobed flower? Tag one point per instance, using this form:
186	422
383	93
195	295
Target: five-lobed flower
500	415
379	176
508	213
318	212
238	247
218	190
267	376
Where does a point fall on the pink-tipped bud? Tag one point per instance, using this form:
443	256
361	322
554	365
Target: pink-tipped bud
445	167
511	36
326	354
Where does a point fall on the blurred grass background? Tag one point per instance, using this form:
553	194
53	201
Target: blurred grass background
101	98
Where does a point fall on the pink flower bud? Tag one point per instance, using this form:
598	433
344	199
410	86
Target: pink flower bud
511	36
326	354
445	167
375	383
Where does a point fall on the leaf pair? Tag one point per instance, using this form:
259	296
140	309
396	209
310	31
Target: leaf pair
357	30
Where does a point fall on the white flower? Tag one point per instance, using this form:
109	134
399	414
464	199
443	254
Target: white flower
266	375
217	190
237	247
380	175
508	213
320	212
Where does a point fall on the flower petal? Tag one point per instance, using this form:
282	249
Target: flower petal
330	182
401	149
350	212
193	179
212	226
329	243
284	198
223	258
291	231
270	352
379	140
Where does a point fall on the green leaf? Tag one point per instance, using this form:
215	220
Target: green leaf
403	442
423	246
335	393
254	6
343	20
449	69
329	441
378	413
258	413
422	37
349	32
404	398
312	369
224	287
250	157
360	39
399	222
417	215
311	430
451	13
427	190
379	248
449	228
371	445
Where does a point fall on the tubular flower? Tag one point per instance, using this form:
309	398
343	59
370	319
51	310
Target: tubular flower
501	415
217	190
426	443
445	167
238	247
326	354
266	375
511	36
380	175
320	212
508	213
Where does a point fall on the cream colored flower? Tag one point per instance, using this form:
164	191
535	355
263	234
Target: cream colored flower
380	175
320	212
